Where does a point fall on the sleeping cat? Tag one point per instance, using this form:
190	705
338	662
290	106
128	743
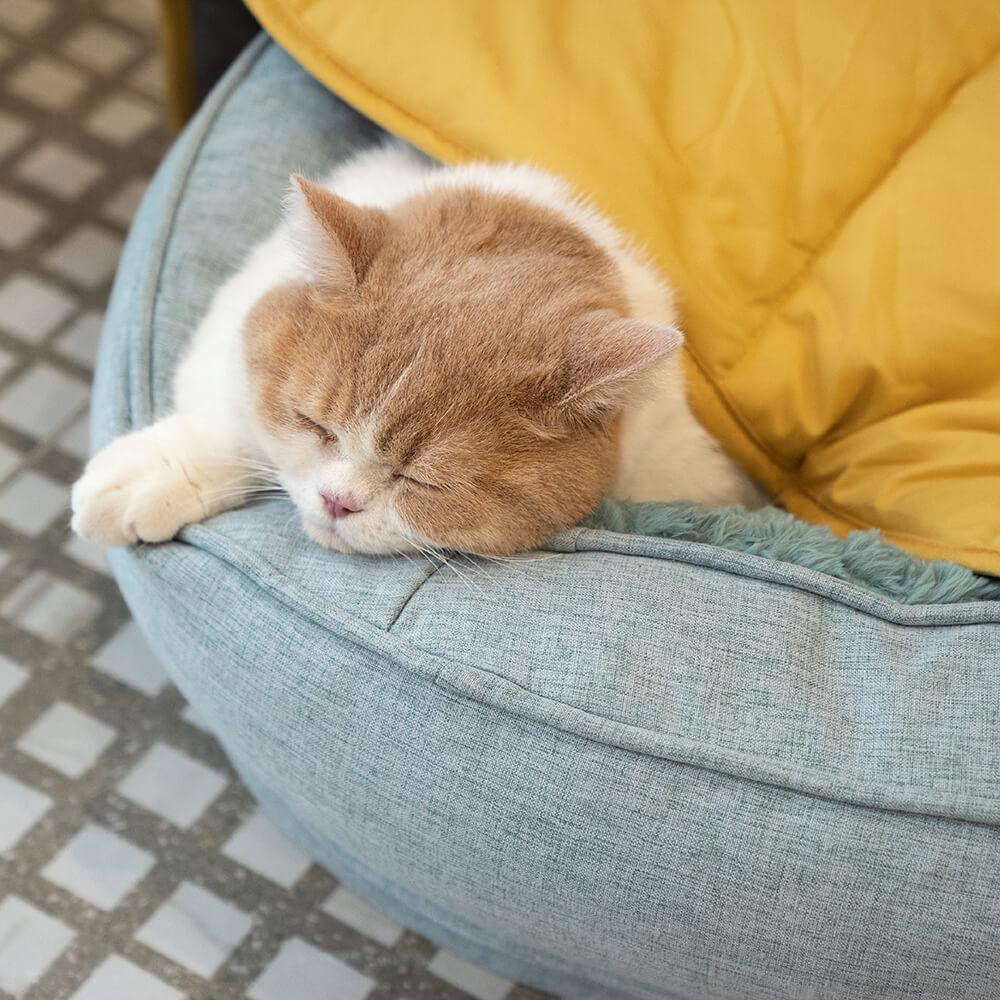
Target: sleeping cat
423	358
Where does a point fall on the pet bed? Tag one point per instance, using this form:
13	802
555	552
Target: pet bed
623	767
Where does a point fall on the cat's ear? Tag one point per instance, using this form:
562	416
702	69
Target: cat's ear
610	357
337	240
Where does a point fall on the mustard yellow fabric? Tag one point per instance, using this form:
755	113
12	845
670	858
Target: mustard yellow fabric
820	180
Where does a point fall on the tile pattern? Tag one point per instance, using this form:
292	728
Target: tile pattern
133	863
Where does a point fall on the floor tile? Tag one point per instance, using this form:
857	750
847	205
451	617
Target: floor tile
10	458
88	554
12	133
21	807
81	338
88	256
118	979
59	169
30	941
142	14
98	866
12	678
122	207
66	739
25	16
122	119
349	909
42	400
150	78
196	929
32	502
20	220
192	718
128	658
50	608
481	984
31	308
100	47
76	438
173	785
257	845
306	973
50	83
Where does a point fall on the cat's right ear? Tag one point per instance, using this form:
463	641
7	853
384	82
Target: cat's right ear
336	240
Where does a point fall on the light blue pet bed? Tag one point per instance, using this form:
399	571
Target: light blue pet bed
626	767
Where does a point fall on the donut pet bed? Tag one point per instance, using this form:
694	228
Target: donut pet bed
675	754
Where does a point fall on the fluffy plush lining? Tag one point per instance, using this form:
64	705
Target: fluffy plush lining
863	558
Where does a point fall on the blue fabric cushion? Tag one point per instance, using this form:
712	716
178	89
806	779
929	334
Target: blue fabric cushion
623	767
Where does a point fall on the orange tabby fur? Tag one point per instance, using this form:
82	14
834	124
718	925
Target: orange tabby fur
467	337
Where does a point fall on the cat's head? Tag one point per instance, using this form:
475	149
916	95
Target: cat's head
448	375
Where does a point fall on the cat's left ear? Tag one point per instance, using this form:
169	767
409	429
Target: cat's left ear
336	239
611	357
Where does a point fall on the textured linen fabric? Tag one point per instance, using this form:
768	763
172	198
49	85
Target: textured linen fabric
818	179
625	767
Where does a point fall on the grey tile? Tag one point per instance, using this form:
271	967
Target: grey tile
172	784
128	659
349	909
42	400
20	220
98	866
30	941
81	338
141	14
100	47
88	256
50	608
88	554
25	16
478	982
32	502
66	739
122	207
76	439
116	978
305	972
257	845
9	460
150	78
196	929
12	678
12	132
21	807
59	169
31	308
50	83
121	119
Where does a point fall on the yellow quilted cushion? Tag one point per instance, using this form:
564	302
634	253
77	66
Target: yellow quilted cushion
820	180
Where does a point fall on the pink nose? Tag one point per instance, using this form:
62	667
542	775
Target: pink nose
339	506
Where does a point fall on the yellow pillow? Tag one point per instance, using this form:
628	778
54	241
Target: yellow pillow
821	181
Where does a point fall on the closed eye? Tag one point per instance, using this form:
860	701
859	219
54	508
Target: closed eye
307	423
400	477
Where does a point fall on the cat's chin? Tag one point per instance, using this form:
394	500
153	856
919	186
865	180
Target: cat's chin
330	538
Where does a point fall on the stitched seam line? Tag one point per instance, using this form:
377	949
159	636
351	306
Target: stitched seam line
416	590
781	297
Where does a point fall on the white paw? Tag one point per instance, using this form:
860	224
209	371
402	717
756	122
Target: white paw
138	489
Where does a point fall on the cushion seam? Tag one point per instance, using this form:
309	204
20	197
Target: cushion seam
783	295
809	781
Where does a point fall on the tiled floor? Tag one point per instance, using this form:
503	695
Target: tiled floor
133	864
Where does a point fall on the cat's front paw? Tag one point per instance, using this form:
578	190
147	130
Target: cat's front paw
138	489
